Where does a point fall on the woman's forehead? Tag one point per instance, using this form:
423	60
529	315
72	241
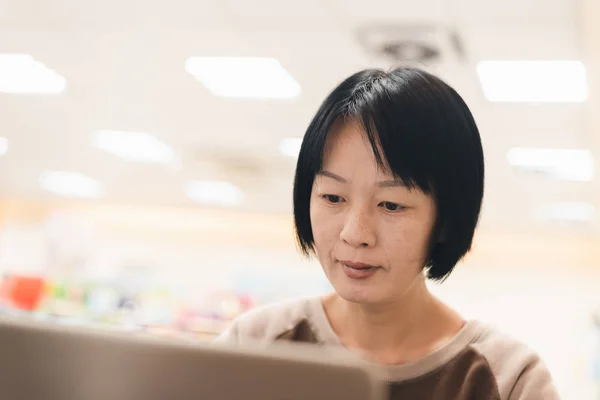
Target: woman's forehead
348	144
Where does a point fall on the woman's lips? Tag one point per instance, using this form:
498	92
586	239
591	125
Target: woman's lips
358	270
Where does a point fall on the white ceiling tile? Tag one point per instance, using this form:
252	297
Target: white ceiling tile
521	11
274	14
358	12
521	42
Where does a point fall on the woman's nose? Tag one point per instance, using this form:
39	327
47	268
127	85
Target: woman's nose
358	230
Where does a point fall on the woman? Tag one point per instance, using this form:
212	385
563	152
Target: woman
387	194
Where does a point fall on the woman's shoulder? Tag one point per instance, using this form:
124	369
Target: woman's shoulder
518	369
267	323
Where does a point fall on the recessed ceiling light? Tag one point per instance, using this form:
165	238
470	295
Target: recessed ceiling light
71	184
566	212
23	74
3	146
561	164
533	81
290	146
137	147
218	193
244	77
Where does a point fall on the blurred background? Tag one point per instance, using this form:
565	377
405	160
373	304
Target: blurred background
147	151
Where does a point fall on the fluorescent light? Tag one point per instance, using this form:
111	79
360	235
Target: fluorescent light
214	193
137	147
71	184
243	77
561	164
23	74
3	146
290	146
533	81
566	212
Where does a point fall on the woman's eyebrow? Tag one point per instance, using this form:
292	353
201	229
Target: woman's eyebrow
331	175
391	183
383	184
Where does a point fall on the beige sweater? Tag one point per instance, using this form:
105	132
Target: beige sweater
478	363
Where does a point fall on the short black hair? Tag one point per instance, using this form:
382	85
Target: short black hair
423	132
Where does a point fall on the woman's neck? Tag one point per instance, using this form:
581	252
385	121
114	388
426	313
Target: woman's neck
396	332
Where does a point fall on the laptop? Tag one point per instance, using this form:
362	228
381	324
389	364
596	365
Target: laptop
41	360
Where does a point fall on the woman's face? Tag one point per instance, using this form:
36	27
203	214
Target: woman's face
371	233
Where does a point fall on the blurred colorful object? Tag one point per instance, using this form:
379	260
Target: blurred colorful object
22	292
115	304
136	299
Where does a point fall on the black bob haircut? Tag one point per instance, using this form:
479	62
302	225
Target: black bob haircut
421	130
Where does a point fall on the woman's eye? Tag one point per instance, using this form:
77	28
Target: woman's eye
332	198
391	206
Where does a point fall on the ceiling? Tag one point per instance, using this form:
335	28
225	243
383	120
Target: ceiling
124	62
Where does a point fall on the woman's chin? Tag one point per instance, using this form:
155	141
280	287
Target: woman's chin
364	291
360	295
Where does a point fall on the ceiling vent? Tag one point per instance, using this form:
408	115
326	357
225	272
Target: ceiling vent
418	44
